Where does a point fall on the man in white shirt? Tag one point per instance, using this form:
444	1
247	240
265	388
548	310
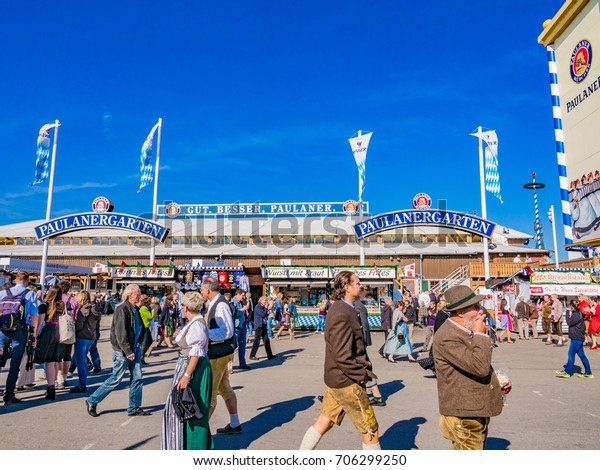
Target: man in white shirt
219	318
17	337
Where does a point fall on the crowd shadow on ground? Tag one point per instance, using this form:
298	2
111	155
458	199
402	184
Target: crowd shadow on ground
270	418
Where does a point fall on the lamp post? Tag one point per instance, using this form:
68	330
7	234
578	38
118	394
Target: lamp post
535	185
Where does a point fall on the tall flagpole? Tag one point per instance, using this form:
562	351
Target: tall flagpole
155	198
486	252
49	205
361	242
551	216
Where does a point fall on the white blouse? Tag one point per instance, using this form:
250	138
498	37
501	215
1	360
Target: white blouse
194	337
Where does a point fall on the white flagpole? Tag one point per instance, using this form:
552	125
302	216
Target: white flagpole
551	214
361	242
486	252
49	205
155	199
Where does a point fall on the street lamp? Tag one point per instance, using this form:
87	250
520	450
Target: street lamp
539	236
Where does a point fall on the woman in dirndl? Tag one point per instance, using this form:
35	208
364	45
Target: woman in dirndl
398	342
193	371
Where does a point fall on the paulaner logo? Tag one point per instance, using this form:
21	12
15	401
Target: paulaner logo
581	61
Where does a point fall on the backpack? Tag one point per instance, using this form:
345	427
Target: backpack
12	309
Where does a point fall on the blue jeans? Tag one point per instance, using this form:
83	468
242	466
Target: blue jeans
95	357
82	347
121	364
270	327
249	326
18	340
576	347
321	323
241	338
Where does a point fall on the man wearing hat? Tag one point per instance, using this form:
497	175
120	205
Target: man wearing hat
469	391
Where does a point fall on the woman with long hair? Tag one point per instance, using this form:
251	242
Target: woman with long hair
576	325
192	370
85	332
49	350
505	322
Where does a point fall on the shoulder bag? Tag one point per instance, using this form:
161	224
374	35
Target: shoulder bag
66	328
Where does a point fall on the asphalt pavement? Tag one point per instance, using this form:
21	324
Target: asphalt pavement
277	402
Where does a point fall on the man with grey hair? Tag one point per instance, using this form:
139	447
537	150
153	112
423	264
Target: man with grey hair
127	354
219	318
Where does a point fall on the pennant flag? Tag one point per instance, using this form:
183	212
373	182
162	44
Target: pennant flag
492	174
146	160
154	265
109	264
359	147
42	154
123	264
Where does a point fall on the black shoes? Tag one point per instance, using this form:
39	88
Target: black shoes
253	358
91	409
320	398
245	367
77	389
50	394
229	430
95	371
139	412
12	401
274	356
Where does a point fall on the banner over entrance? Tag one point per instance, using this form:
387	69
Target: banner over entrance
86	220
411	218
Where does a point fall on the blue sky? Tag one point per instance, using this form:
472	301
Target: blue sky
258	99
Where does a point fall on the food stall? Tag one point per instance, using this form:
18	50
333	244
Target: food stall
311	284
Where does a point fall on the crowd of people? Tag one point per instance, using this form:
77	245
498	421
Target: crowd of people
208	328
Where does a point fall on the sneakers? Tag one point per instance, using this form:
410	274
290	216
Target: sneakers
229	430
377	401
562	374
61	385
585	376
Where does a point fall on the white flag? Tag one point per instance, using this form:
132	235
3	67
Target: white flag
359	147
492	173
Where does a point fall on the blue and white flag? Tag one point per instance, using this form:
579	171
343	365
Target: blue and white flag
42	154
491	174
359	147
146	160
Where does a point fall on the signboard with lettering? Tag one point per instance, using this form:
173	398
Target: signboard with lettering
386	272
561	277
566	289
148	273
173	210
71	223
296	273
441	218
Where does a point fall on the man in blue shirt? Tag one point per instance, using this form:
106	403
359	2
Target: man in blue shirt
240	326
17	338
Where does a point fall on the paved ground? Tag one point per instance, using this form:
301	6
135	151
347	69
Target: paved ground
277	404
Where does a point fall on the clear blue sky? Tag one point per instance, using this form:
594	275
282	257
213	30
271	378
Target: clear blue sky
258	99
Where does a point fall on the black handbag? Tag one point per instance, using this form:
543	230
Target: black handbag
185	404
217	349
